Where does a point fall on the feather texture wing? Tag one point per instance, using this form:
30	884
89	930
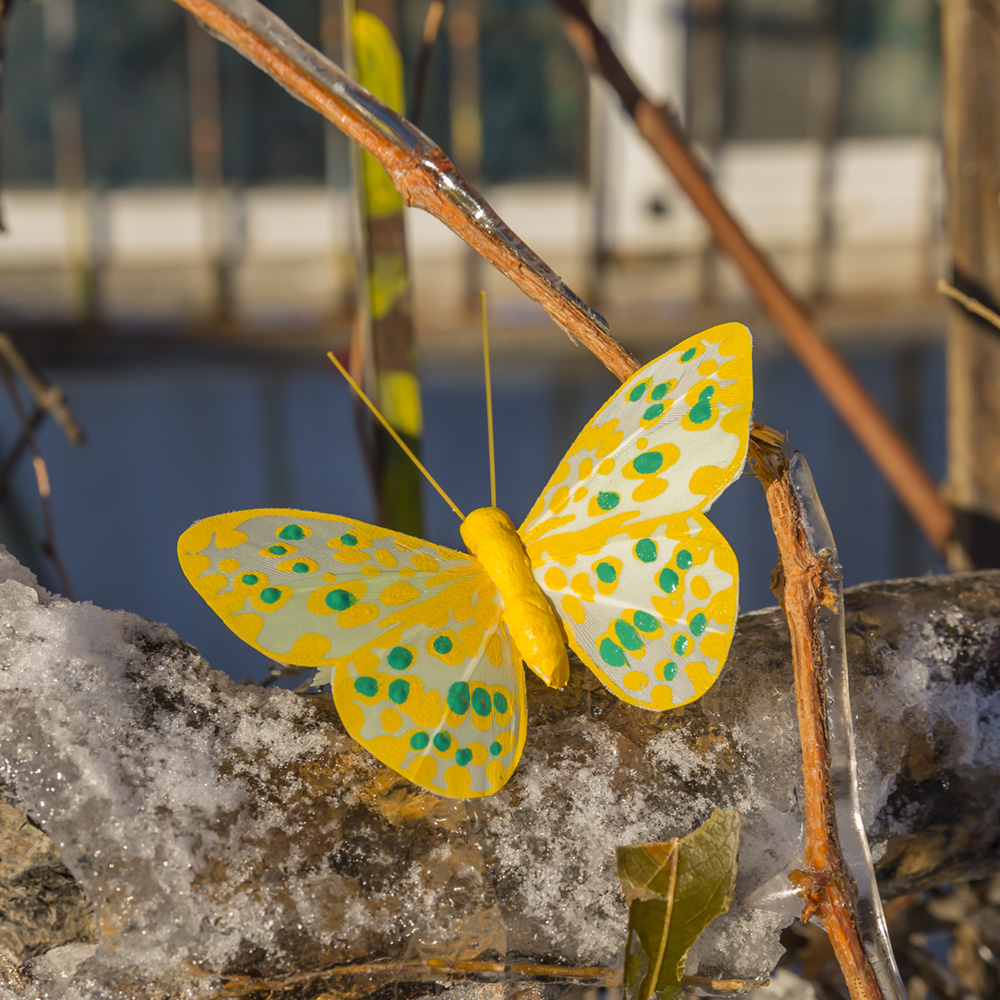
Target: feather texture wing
646	585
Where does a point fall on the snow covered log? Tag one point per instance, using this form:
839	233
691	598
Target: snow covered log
200	829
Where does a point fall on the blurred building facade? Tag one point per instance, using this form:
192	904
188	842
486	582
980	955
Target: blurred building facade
154	180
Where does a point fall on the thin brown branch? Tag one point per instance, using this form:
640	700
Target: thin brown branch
974	306
47	397
890	452
825	882
431	969
432	27
420	170
48	543
15	453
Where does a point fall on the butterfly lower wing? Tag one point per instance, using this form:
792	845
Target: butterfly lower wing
652	611
394	623
451	717
643	470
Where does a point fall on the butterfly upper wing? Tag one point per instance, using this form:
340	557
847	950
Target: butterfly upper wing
647	587
409	634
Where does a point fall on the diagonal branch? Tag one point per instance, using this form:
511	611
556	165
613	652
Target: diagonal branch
890	452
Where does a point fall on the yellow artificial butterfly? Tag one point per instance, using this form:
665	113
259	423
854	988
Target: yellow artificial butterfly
423	645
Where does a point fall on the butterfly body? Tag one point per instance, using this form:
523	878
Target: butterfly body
423	645
534	627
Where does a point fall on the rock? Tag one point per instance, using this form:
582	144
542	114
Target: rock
214	832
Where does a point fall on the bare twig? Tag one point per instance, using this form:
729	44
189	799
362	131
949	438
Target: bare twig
41	478
432	27
825	881
894	457
972	305
47	397
431	969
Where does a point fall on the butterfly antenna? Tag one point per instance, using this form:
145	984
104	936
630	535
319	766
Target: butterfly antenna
385	423
489	403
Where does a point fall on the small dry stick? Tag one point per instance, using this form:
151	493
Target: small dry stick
47	397
825	881
972	305
859	411
41	478
428	970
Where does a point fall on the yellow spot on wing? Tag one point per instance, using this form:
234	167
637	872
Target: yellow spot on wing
390	720
399	593
386	558
581	585
494	650
555	578
229	565
358	614
634	680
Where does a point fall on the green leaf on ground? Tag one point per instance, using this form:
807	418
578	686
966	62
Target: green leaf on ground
674	890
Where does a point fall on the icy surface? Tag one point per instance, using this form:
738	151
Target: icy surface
239	831
832	636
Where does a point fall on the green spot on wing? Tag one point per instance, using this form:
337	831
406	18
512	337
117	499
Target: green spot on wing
250	579
668	580
481	703
606	573
647	463
292	533
698	624
442	644
659	391
611	653
500	703
495	748
652	412
366	686
349	539
463	756
277	550
300	568
702	410
684	559
418	741
458	697
669	670
645	622
399	658
608	500
628	636
399	690
637	390
645	550
442	741
270	595
688	354
681	644
340	600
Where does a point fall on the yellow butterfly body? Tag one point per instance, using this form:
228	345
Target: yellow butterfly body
422	644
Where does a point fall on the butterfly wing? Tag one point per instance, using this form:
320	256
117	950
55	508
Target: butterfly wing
647	587
409	635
